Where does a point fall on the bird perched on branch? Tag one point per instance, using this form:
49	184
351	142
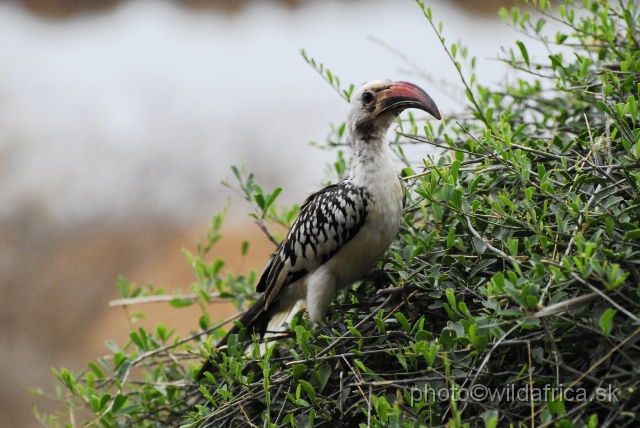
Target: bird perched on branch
342	230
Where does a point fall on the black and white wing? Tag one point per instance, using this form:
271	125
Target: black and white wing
327	220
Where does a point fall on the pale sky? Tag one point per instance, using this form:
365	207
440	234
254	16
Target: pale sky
143	109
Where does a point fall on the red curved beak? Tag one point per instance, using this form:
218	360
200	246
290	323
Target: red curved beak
404	95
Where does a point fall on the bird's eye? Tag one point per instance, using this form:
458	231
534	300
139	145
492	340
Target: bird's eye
367	97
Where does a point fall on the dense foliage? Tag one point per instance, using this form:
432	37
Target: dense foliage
515	273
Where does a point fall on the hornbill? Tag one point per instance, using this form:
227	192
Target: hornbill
342	230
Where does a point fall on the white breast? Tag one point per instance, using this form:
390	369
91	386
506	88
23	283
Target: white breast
381	226
356	258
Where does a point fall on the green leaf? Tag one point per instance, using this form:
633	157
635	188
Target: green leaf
632	234
480	247
480	266
448	336
540	24
453	172
325	373
272	197
560	38
606	321
118	402
312	418
490	418
604	107
179	302
451	298
504	14
259	198
451	237
430	356
403	321
308	389
298	369
136	339
523	51
203	322
498	280
96	370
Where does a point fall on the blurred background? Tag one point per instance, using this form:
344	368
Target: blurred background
119	119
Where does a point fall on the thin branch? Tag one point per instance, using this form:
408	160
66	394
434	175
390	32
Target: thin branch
266	231
489	246
162	298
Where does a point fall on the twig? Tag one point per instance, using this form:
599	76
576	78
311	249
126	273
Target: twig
561	307
395	290
160	298
607	298
491	247
401	304
266	231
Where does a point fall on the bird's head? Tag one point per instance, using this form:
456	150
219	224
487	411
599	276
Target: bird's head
375	105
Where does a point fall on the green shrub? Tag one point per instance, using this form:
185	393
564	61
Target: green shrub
515	273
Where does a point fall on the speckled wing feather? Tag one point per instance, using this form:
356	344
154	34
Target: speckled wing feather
328	219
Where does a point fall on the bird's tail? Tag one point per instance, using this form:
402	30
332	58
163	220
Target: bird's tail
277	323
257	320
